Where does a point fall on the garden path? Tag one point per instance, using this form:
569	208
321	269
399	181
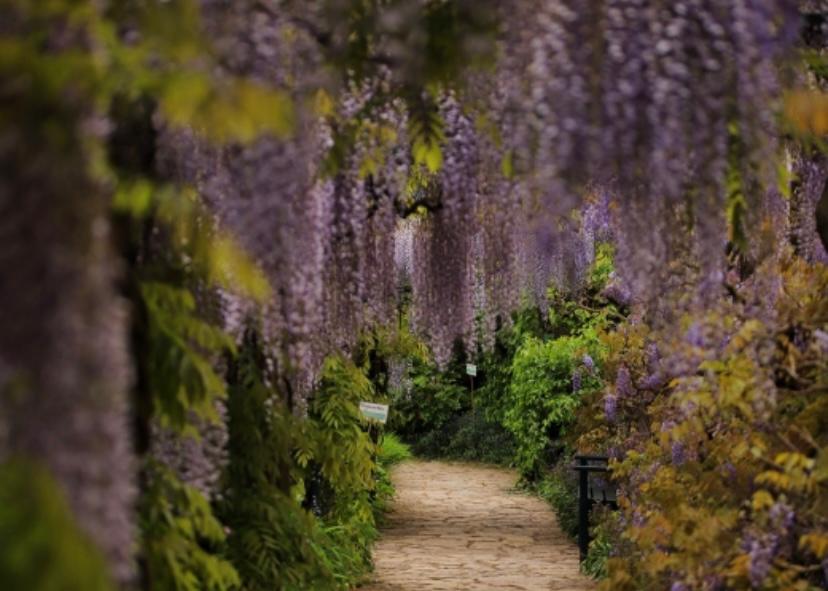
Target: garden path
458	527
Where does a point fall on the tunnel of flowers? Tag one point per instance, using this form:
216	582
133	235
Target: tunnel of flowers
224	225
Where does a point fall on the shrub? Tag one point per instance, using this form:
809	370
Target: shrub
725	434
468	437
475	438
434	399
301	496
183	541
604	534
560	489
547	382
392	451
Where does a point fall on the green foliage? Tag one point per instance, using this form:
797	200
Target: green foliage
442	417
425	127
336	441
604	535
468	437
735	186
475	438
524	397
274	543
574	313
399	343
337	450
182	378
176	348
41	546
183	540
434	399
542	398
345	547
198	248
270	533
559	488
392	451
301	496
602	268
495	367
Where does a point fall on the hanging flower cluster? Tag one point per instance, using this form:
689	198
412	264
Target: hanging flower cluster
615	120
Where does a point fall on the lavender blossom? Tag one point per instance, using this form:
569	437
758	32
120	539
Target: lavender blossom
623	383
576	380
611	407
761	552
654	381
653	358
678	453
783	516
638	518
695	335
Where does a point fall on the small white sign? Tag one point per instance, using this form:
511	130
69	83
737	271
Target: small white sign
377	412
471	369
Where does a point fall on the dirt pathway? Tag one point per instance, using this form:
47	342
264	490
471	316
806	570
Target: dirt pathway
459	527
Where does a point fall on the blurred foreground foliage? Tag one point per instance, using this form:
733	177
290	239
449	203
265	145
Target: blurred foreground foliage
95	81
41	547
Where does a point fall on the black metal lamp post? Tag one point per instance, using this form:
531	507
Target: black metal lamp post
587	495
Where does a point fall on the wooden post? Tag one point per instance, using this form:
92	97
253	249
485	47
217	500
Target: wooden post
471	378
583	510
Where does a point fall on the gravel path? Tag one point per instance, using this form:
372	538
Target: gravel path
460	527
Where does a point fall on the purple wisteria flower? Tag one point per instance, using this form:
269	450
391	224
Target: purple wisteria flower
678	451
783	516
576	380
611	407
822	340
623	383
617	293
588	362
653	358
761	552
654	381
695	335
638	519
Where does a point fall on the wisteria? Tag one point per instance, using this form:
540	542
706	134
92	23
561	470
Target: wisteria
313	185
619	111
631	104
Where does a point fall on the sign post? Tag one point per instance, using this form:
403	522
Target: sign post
373	411
471	371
